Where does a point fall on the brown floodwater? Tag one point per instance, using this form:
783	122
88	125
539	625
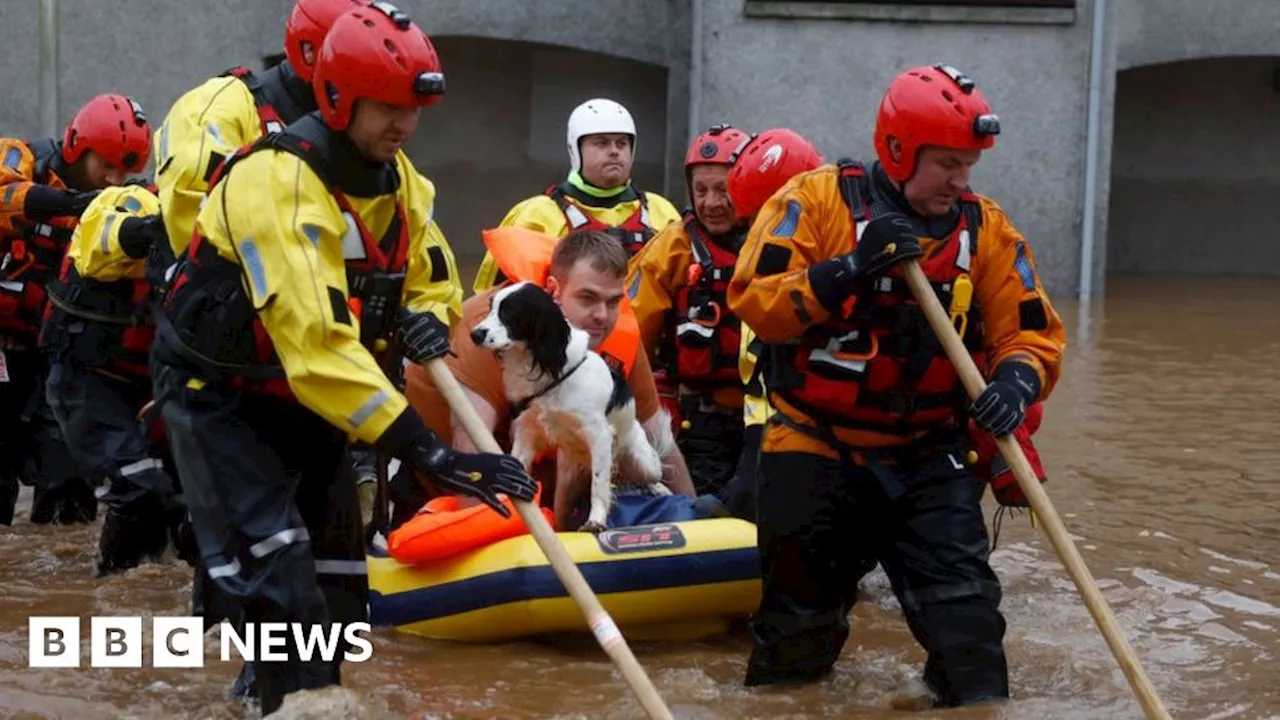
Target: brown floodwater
1161	448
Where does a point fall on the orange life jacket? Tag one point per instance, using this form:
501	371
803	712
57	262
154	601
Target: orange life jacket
881	368
703	336
375	280
524	255
31	260
441	529
633	232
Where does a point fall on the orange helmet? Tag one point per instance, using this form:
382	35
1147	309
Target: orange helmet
375	52
766	164
308	24
936	105
113	126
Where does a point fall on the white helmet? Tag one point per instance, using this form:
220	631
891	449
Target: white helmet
595	117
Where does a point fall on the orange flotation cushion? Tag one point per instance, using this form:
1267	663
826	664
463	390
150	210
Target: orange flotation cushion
442	530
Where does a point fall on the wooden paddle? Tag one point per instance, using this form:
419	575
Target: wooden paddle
602	625
1039	499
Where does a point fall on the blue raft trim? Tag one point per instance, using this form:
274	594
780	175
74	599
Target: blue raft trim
540	583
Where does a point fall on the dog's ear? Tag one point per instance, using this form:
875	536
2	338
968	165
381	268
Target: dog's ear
533	318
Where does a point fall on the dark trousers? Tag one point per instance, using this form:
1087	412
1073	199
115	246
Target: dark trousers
824	523
273	506
32	449
710	446
739	494
97	415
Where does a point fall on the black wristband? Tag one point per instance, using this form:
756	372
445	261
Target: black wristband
404	432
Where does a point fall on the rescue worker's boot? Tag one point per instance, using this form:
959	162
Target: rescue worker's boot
123	544
245	689
274	680
8	498
45	504
182	536
79	505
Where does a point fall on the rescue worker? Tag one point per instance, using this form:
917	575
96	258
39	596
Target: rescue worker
212	120
597	194
863	455
96	336
584	274
224	113
44	187
315	251
765	164
676	285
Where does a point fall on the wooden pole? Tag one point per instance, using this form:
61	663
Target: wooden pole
1039	499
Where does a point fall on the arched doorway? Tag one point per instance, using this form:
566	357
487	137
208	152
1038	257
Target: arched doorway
1194	180
498	136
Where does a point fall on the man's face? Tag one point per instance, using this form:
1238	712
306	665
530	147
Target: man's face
589	298
379	130
606	159
941	175
99	173
709	190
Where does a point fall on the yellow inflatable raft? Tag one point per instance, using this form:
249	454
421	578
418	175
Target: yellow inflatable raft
667	581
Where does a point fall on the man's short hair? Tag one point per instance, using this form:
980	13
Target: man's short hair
602	250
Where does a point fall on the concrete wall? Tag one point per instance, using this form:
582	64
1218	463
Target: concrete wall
152	50
1150	32
1147	32
825	78
756	68
1194	175
499	134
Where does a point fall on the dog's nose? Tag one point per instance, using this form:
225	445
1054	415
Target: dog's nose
478	335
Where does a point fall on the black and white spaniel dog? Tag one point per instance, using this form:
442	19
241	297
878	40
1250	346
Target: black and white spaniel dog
565	396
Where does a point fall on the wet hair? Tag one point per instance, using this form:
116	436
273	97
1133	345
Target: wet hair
602	250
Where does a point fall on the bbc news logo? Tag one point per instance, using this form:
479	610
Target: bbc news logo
178	642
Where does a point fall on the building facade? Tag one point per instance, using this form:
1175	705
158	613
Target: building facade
1188	99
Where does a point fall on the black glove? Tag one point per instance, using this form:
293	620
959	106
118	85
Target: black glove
139	234
480	475
886	241
1001	408
43	202
423	337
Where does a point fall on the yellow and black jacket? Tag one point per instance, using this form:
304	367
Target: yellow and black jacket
98	306
633	215
304	255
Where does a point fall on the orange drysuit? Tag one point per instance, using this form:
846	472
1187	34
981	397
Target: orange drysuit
808	221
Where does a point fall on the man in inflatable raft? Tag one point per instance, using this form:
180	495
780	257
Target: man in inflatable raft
585	274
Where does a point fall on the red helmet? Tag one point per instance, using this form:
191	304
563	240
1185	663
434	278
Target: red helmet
719	145
375	52
308	24
766	164
113	126
936	105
